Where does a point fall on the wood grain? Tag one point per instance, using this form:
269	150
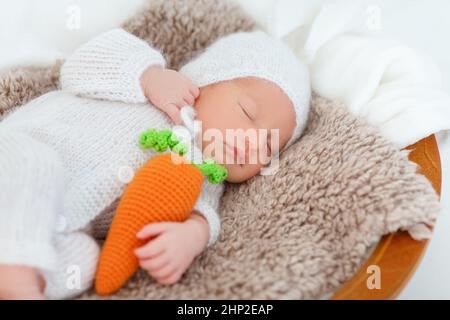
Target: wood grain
397	255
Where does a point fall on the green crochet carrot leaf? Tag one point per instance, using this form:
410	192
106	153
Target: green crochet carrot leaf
213	171
158	140
161	140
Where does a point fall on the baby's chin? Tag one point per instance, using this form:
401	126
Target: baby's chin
241	173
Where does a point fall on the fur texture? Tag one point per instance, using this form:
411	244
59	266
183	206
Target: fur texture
294	235
183	28
18	86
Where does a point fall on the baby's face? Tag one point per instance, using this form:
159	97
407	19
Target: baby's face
247	103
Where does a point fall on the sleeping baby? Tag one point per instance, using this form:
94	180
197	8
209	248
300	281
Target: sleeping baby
61	154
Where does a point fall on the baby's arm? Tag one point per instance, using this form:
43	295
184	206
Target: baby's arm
169	255
109	67
118	66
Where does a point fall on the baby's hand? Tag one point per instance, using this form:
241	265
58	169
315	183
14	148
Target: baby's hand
168	90
172	247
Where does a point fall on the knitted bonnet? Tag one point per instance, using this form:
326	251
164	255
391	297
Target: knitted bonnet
255	54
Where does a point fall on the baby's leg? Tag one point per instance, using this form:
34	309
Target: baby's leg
19	282
77	255
31	184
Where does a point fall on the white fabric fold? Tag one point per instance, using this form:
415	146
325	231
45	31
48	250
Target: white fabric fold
393	87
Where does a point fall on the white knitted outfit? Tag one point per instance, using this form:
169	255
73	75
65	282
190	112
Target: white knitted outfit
63	155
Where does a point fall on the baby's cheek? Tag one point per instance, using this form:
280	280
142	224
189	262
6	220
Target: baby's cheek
238	173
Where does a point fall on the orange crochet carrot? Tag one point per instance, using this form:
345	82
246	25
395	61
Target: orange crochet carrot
162	190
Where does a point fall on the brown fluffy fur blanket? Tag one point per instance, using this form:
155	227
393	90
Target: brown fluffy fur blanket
297	234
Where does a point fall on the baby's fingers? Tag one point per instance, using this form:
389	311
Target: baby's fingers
154	264
188	99
194	90
151	250
172	278
173	111
152	230
164	272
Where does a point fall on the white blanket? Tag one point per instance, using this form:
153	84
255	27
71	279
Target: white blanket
393	87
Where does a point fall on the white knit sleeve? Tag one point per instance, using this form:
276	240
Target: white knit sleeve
109	67
208	206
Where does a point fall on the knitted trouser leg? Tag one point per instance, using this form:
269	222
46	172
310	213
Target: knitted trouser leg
77	255
31	184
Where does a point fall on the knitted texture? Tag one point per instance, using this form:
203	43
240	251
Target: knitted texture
163	190
30	184
77	256
109	67
164	139
256	54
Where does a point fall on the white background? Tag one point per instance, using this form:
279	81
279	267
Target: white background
425	25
